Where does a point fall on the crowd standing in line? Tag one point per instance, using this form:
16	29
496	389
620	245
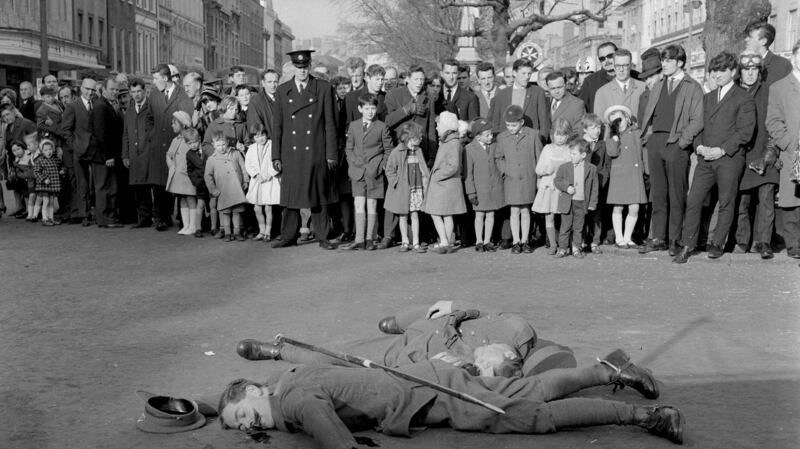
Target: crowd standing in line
648	160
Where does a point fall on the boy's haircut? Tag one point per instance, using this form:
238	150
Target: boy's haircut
463	68
20	144
607	44
47	91
257	128
569	72
408	131
339	80
521	63
162	69
623	52
235	69
234	392
217	136
591	119
765	31
190	135
723	61
195	76
368	98
580	143
354	62
416	68
552	76
675	52
267	72
375	70
227	102
561	127
452	62
485	67
242	87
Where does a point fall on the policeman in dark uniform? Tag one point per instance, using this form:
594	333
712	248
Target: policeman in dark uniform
304	149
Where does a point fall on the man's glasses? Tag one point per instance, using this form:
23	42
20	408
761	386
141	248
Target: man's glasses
604	57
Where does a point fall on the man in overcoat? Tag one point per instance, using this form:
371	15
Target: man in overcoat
758	37
136	134
305	150
783	125
262	104
528	96
87	127
624	89
164	100
729	120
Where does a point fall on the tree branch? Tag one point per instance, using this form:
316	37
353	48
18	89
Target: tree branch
473	3
577	16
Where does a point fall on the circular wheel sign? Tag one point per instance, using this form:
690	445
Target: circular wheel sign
530	51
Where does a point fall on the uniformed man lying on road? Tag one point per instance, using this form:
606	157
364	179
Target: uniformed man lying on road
328	401
502	344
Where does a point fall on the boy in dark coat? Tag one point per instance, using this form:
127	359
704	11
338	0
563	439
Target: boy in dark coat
578	187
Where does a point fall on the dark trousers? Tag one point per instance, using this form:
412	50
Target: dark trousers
126	203
104	181
669	180
572	225
153	202
790	221
342	214
68	198
762	199
290	224
725	173
390	222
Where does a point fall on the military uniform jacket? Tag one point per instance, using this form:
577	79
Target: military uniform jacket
305	138
162	132
327	401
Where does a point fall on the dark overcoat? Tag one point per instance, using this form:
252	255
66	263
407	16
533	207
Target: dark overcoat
305	138
536	113
136	134
90	135
396	99
483	178
755	148
783	124
261	111
157	170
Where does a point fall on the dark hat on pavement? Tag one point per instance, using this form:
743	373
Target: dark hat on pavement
165	414
650	66
301	58
513	113
480	125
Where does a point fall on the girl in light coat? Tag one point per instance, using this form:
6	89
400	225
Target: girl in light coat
265	184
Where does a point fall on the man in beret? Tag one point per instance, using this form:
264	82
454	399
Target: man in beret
304	149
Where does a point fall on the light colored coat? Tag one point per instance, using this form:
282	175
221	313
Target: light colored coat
626	181
227	177
178	181
553	156
397	191
445	193
265	184
483	177
783	124
611	95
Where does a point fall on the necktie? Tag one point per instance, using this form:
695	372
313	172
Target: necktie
554	106
447	94
364	126
138	107
624	88
166	95
719	95
89	106
671	85
300	88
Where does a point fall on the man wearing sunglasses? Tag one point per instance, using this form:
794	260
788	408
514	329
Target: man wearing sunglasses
598	79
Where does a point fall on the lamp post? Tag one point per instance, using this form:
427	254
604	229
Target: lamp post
43	38
688	7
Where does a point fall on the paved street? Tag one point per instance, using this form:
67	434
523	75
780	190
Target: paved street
89	316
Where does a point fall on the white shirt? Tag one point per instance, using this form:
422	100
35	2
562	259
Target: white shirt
301	85
168	92
624	86
452	91
85	103
724	90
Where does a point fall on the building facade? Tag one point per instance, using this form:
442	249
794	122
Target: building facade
221	40
146	19
680	23
786	20
252	36
181	34
121	35
280	38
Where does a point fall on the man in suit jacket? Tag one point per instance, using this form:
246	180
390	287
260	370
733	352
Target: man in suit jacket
783	125
454	98
163	101
304	148
27	104
136	147
729	120
672	119
372	84
486	87
623	90
563	104
324	400
758	37
598	79
525	95
88	128
262	104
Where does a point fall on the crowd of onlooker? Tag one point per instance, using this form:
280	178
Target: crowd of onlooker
571	158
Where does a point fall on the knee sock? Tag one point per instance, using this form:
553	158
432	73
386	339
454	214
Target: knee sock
616	220
630	223
360	225
371	219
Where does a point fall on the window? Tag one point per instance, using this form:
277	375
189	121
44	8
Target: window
792	25
101	31
619	25
91	29
140	52
79	26
113	50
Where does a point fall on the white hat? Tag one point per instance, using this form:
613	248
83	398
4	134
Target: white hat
615	108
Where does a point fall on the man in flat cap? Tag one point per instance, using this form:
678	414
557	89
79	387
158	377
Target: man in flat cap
304	149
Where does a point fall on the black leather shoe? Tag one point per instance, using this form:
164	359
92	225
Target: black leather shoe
766	251
284	243
714	251
665	421
674	248
258	350
324	244
86	222
527	248
389	325
628	374
110	225
740	248
794	253
357	246
161	226
385	242
479	248
516	249
142	224
653	245
682	256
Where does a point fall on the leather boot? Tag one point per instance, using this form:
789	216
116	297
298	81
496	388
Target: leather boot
389	325
258	350
628	374
665	421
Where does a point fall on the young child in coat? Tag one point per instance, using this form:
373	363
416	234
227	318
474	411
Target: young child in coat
483	183
195	171
518	149
577	186
265	183
626	183
47	172
48	116
553	156
407	175
178	182
367	148
445	194
227	180
596	220
20	174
